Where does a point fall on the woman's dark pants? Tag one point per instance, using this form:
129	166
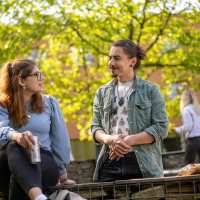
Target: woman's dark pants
24	174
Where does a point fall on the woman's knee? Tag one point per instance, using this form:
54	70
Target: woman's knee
16	152
12	146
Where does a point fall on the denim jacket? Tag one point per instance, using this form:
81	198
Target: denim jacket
146	112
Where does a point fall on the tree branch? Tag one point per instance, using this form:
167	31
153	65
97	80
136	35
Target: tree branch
159	33
102	38
89	43
143	21
130	29
161	65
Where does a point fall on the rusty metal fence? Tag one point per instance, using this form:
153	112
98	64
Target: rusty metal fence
166	188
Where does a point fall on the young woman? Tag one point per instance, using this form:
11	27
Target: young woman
190	110
24	113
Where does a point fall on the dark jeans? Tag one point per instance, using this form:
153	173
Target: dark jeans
192	149
4	172
26	175
125	168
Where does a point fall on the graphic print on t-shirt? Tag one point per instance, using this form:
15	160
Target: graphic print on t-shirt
119	121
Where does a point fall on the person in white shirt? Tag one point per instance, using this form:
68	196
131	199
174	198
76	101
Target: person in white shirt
190	110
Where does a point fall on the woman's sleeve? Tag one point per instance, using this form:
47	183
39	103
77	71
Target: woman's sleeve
5	129
60	142
188	122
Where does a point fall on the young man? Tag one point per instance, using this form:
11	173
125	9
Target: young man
129	119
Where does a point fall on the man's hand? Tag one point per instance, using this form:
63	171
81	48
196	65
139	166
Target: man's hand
24	139
118	147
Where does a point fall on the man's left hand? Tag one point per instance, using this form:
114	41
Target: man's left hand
119	148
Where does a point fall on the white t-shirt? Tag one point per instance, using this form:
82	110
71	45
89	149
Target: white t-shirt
119	121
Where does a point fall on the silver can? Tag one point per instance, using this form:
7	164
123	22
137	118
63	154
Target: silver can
35	152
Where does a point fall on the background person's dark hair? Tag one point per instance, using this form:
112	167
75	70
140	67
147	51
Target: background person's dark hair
132	50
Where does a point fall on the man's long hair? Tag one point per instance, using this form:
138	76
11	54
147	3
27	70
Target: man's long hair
132	50
12	93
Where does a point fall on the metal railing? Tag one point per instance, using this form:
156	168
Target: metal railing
170	153
165	188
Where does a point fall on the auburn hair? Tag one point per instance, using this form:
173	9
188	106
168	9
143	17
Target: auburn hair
12	93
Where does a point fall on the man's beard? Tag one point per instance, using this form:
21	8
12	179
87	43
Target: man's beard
114	75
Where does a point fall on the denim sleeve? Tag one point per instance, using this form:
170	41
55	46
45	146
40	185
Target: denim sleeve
60	141
159	126
5	130
96	121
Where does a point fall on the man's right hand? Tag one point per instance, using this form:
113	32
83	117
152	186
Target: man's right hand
24	139
118	148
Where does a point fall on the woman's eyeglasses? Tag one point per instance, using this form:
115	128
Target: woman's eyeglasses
39	75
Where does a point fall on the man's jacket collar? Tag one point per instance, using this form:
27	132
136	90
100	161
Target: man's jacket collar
137	82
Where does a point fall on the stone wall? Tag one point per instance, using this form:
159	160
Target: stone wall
173	160
82	171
